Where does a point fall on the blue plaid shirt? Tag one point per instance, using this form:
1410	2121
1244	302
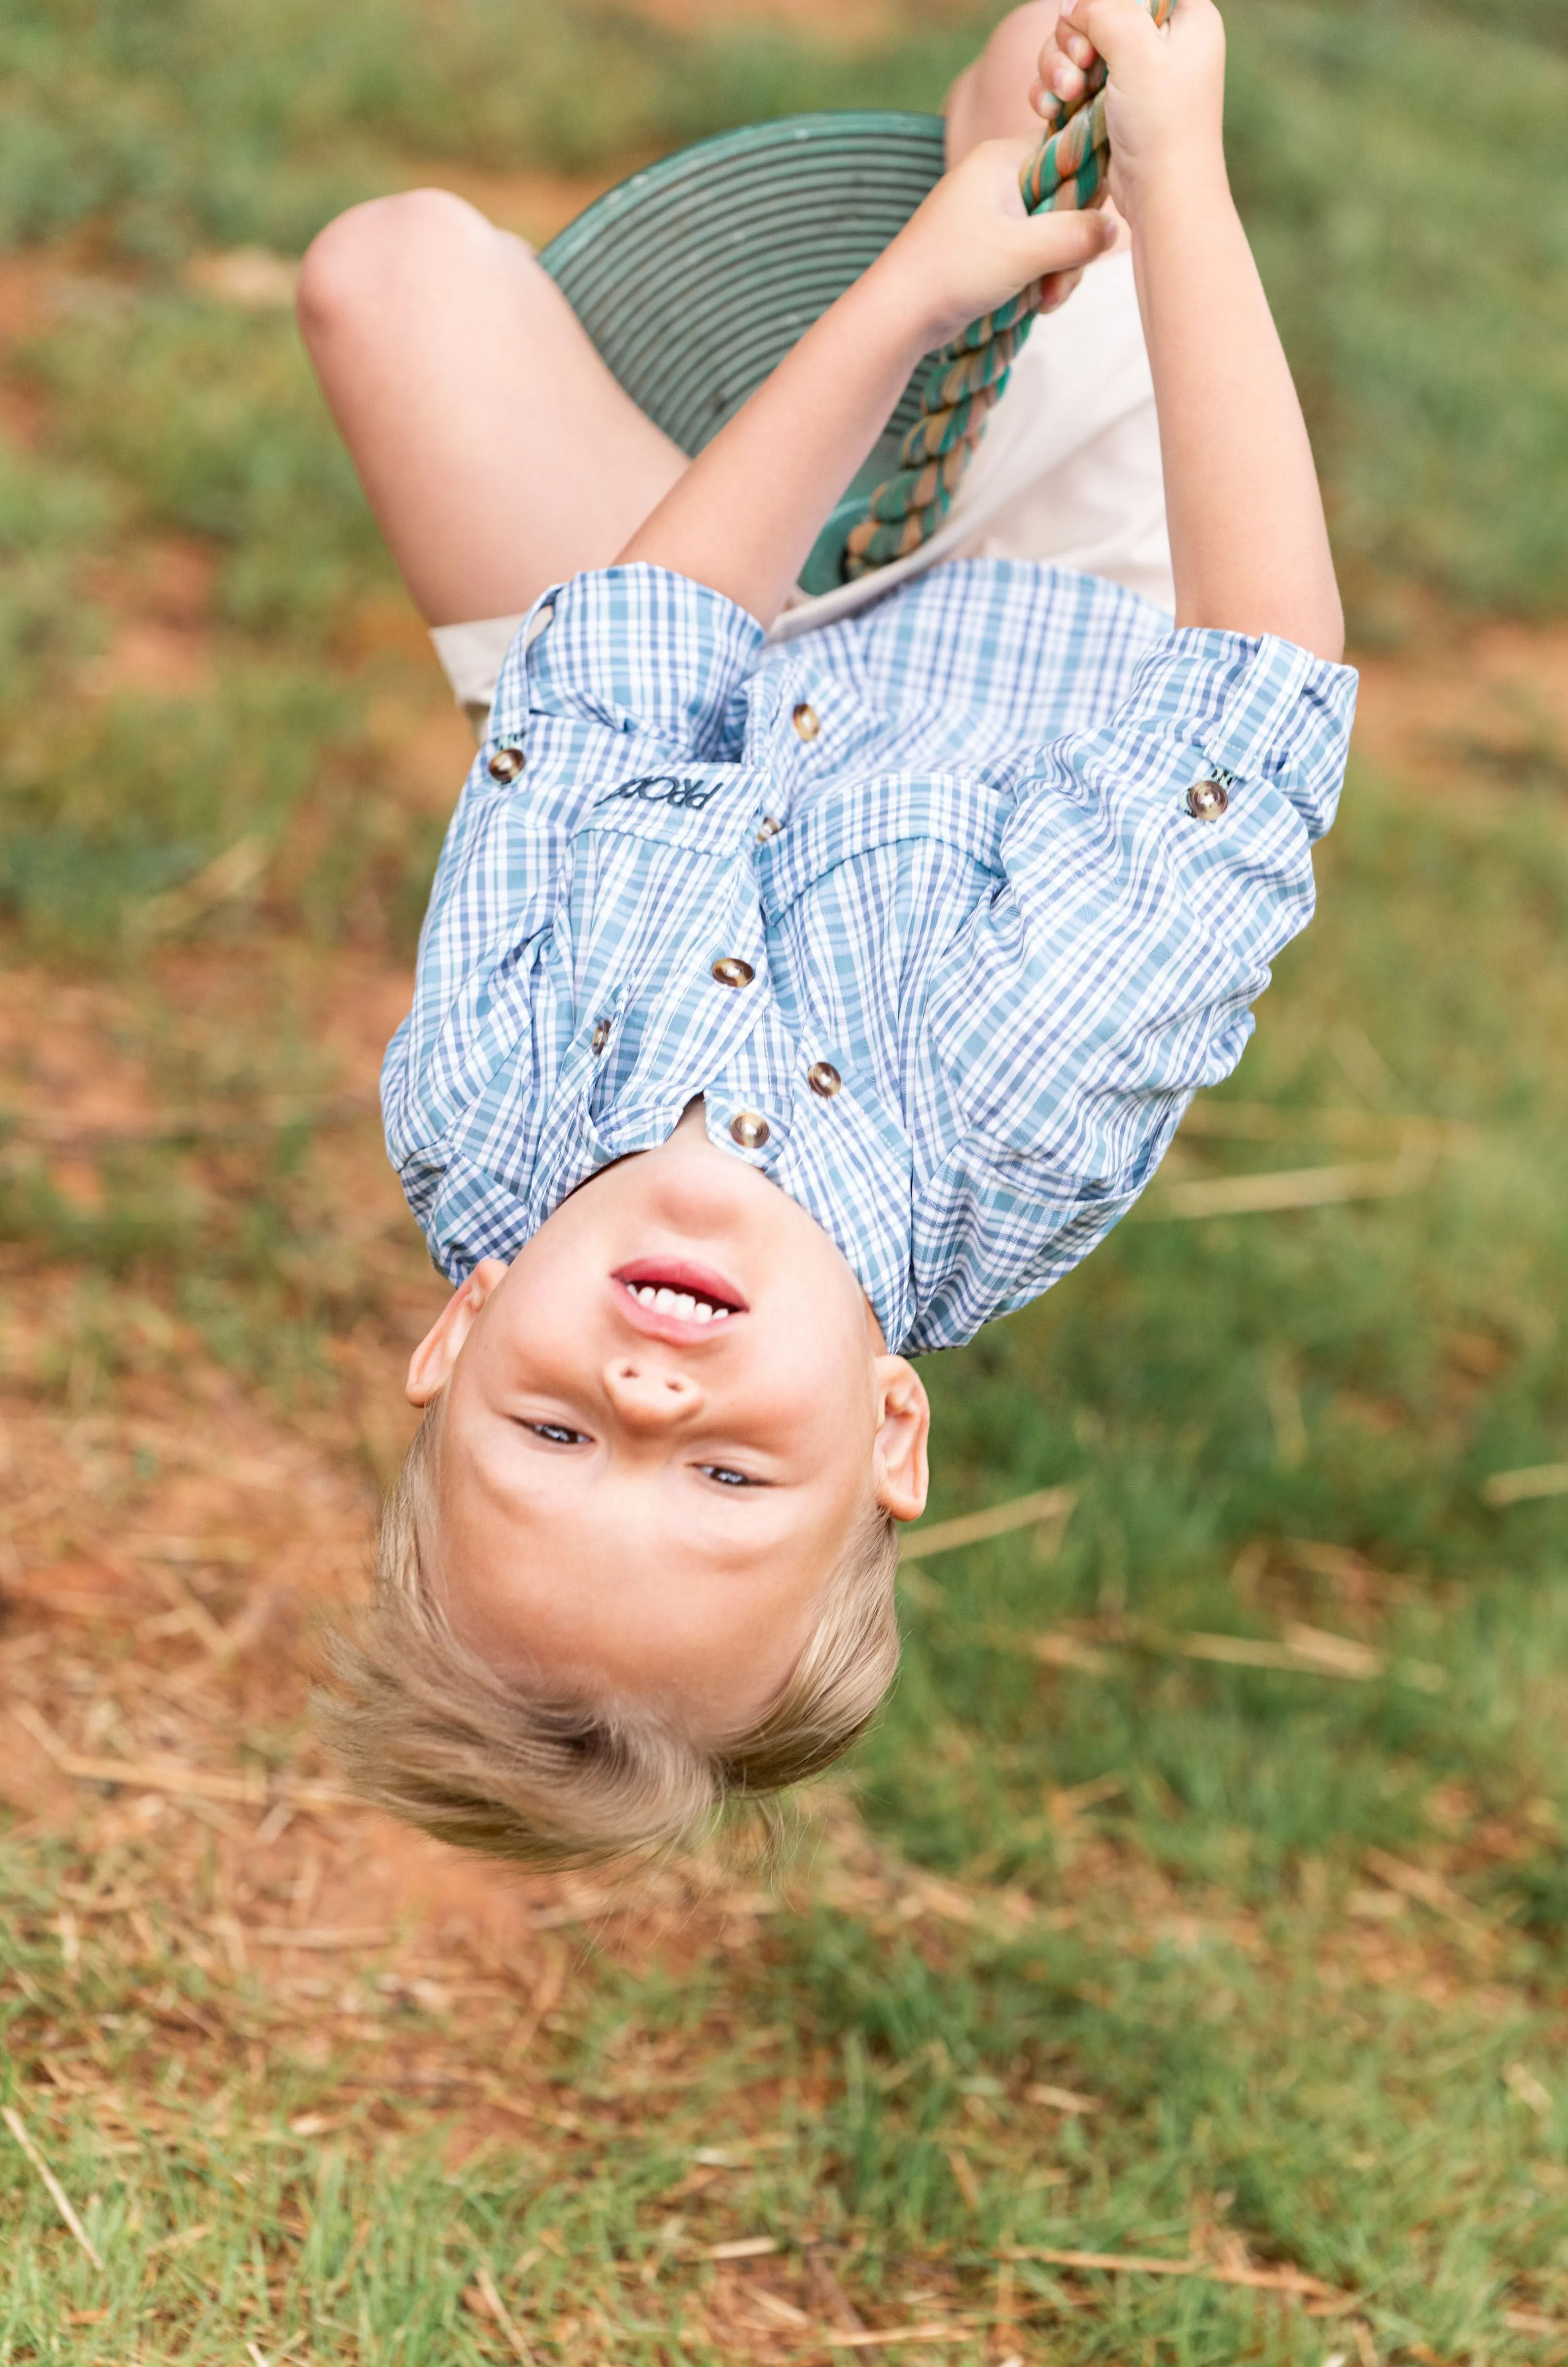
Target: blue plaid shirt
941	851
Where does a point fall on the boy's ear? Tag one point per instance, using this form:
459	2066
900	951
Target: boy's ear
431	1364
900	1471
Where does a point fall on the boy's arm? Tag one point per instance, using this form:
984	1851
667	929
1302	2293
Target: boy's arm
1247	539
744	515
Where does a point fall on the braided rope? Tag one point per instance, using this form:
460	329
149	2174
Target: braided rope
1065	174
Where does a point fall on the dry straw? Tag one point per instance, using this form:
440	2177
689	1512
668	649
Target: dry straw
57	2193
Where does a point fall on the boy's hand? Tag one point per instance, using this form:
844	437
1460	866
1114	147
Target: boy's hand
1165	96
971	247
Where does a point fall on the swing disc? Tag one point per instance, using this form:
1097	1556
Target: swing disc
696	275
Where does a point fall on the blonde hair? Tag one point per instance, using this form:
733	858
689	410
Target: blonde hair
427	1729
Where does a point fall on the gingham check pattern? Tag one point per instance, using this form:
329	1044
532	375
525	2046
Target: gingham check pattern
987	907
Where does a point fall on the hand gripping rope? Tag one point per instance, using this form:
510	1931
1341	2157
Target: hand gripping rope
1065	174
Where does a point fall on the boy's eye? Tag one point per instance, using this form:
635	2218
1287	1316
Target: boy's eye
724	1476
558	1433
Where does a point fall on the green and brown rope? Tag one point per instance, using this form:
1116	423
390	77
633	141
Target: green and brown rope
1065	174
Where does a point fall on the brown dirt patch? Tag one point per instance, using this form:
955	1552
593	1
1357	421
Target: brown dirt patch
25	285
1488	707
535	205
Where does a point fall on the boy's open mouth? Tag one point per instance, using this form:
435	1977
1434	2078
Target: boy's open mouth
691	1294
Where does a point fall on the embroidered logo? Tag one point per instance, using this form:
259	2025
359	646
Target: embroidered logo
675	790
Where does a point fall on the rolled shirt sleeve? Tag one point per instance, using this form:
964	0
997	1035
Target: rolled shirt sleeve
1111	972
620	672
635	652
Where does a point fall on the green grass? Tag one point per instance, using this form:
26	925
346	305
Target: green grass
1417	253
1148	1379
1278	2046
1399	166
1381	2103
1397	171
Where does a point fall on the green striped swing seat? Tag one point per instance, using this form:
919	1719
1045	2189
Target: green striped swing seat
696	275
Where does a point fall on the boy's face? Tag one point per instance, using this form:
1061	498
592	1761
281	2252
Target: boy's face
644	1494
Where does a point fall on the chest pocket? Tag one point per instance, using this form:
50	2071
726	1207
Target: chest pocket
864	816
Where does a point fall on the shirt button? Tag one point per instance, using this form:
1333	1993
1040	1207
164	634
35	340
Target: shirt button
1207	801
748	1128
505	765
770	828
732	971
824	1078
601	1036
806	721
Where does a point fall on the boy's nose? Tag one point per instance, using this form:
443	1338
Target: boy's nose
648	1398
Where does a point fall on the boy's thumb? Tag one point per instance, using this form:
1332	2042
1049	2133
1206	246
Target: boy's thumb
1111	25
1066	242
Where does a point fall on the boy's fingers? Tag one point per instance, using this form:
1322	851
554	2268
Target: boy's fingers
1061	71
1075	45
1062	79
1055	289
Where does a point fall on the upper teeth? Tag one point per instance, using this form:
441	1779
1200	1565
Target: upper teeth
677	1302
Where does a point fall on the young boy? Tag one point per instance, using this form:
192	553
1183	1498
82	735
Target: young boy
786	1008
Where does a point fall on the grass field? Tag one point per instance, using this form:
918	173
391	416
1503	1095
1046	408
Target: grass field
1201	1901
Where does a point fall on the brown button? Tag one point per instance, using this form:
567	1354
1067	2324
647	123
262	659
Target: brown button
506	764
824	1078
770	828
601	1036
748	1128
1207	801
732	971
806	721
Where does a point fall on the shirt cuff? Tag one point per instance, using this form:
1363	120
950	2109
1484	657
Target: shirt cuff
638	649
1255	709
